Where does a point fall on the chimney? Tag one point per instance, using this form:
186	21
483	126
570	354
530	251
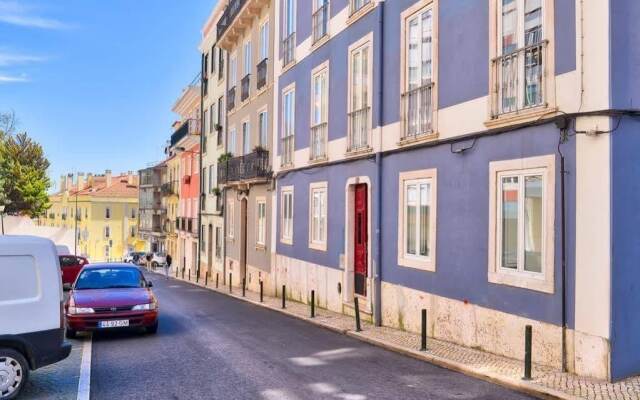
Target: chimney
107	175
130	180
63	183
81	181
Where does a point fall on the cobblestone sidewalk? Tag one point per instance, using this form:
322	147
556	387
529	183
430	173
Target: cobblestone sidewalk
546	382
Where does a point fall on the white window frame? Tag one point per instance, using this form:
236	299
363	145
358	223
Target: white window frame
261	222
246	136
288	23
322	69
264	40
548	73
230	219
318	243
233	72
288	127
232	142
263	131
542	165
286	224
247	58
429	176
357	47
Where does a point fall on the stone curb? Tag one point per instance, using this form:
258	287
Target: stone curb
526	387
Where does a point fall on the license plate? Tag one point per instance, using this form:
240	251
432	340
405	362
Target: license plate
121	323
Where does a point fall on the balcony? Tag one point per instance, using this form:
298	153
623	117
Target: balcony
229	14
417	113
238	16
262	74
245	85
188	127
519	80
231	99
170	188
320	18
289	49
251	166
318	142
359	129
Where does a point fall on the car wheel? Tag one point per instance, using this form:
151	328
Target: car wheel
70	334
154	264
152	329
14	372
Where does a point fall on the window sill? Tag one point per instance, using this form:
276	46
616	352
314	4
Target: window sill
288	166
286	241
408	141
522	281
520	117
287	67
261	247
318	246
360	151
318	160
427	265
364	10
319	43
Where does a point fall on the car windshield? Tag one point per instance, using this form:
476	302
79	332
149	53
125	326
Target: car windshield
110	278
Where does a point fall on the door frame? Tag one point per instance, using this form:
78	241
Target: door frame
348	292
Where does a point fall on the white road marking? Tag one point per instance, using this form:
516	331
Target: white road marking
84	384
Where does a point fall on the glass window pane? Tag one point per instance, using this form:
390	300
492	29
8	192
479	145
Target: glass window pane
426	47
425	195
410	223
509	223
533	207
509	26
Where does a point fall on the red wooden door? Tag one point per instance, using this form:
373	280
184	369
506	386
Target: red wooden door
361	239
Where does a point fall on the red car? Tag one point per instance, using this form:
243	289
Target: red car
108	296
71	266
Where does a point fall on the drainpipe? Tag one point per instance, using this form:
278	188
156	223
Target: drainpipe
377	279
563	125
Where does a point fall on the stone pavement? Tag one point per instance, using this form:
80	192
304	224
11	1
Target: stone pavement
546	382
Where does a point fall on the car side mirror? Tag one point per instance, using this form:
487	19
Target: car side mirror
149	284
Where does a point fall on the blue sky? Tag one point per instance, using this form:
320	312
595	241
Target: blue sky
94	80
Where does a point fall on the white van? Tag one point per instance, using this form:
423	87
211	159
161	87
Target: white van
31	310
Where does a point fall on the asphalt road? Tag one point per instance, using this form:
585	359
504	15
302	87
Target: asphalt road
210	346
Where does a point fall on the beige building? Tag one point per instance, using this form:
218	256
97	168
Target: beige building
246	33
213	146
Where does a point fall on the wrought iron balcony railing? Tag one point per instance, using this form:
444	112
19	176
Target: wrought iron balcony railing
188	127
245	86
170	188
262	74
519	79
417	112
320	19
359	129
231	99
289	49
319	141
229	14
250	166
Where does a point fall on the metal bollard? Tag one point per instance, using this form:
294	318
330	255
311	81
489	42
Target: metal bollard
284	289
261	292
527	353
230	282
198	275
182	273
189	274
244	283
217	278
358	326
313	303
423	343
206	278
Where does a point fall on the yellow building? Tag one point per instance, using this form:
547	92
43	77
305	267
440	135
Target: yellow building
171	199
103	211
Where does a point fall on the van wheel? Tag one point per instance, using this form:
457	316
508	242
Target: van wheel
14	372
70	334
153	329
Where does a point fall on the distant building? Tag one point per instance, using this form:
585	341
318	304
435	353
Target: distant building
102	210
153	211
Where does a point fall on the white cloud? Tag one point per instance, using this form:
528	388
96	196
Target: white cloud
15	13
8	59
12	79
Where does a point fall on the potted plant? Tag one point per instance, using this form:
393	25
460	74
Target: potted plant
217	127
259	149
216	192
224	157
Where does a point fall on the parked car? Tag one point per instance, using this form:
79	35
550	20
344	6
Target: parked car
31	310
71	266
134	257
158	259
107	296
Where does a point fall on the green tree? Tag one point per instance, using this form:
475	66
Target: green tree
23	175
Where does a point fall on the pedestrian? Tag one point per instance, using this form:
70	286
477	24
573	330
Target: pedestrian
148	257
167	265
